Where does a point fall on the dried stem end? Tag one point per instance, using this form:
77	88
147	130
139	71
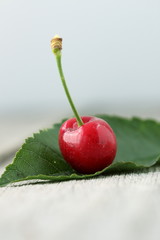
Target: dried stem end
56	44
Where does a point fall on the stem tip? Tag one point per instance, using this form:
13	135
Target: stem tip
56	44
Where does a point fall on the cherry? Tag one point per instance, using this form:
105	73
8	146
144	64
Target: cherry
87	143
90	147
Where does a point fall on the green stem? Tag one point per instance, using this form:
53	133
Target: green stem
59	64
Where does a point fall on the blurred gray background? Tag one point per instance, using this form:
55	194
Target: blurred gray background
111	55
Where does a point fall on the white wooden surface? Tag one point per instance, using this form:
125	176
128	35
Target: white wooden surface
113	207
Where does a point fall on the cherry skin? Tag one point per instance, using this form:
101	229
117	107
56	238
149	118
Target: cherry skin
90	147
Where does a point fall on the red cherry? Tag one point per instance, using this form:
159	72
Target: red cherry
88	144
90	147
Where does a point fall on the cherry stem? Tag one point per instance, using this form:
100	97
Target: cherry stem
59	64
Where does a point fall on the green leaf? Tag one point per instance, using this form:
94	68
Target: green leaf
40	158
